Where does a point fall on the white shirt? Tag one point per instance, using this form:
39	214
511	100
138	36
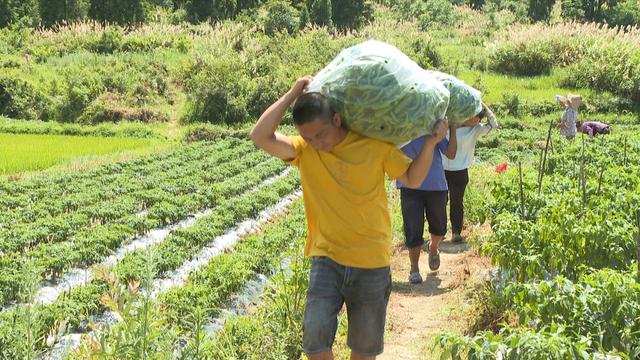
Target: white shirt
467	138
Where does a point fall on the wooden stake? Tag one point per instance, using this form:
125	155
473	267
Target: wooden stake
544	157
638	242
521	191
625	151
540	171
583	184
600	180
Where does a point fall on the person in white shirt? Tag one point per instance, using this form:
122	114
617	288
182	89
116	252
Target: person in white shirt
456	170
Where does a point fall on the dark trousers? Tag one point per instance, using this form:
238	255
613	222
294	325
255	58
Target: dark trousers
457	181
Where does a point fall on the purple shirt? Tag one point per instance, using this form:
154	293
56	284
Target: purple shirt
435	180
593	127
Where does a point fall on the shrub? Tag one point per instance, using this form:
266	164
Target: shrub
217	90
110	41
82	88
519	59
426	53
428	12
104	110
19	99
511	103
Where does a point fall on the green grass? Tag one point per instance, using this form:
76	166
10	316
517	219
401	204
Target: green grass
29	152
122	129
532	89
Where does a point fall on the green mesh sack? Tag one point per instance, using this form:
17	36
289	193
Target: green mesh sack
381	93
464	101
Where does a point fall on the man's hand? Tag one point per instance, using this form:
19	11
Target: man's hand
300	86
419	168
439	130
264	133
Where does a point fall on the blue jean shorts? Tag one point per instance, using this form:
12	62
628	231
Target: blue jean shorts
365	293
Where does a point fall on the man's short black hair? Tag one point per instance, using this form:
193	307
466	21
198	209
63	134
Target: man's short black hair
311	106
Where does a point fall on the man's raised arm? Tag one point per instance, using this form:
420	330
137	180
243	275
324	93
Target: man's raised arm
419	168
264	133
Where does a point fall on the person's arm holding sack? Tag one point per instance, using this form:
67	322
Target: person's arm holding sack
452	147
419	168
492	122
265	135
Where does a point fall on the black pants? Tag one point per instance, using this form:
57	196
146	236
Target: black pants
457	181
418	204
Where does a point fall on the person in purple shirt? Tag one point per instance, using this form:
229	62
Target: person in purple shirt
592	128
430	200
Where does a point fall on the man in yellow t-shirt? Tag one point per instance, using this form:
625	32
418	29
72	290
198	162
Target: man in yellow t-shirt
349	226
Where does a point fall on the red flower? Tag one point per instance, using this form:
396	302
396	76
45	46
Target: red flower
502	167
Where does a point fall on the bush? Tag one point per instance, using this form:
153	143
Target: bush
207	132
110	41
103	110
519	9
82	88
511	103
281	17
610	67
217	90
428	12
268	89
518	59
426	53
607	103
19	99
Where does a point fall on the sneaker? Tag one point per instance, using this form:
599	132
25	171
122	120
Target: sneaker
415	278
434	260
457	238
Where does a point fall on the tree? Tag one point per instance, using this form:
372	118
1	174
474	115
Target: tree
540	10
280	17
23	12
351	14
199	10
589	10
320	13
122	12
55	11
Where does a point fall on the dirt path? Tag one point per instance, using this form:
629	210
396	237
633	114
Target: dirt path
417	313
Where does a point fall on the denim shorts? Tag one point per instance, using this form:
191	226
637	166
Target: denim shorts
365	293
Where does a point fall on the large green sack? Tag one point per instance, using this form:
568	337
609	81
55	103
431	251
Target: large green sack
381	93
464	101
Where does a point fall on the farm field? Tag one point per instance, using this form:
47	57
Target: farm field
26	152
138	221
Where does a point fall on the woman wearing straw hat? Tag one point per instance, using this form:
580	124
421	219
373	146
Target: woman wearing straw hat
567	124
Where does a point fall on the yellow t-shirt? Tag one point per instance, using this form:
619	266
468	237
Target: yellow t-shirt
345	199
